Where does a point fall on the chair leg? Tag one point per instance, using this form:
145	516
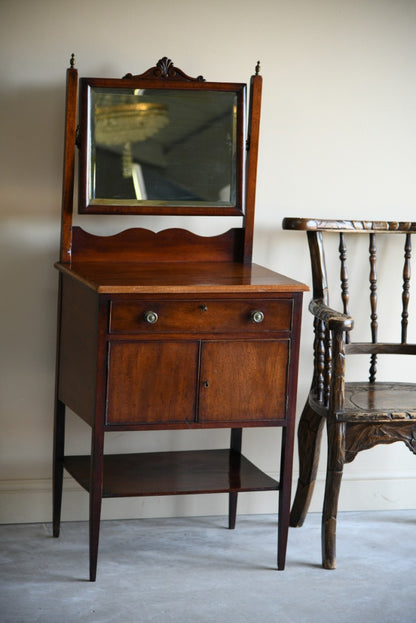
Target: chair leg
336	459
309	440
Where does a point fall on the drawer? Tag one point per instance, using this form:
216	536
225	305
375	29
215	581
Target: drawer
234	315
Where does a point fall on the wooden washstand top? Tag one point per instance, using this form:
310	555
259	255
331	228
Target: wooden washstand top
179	277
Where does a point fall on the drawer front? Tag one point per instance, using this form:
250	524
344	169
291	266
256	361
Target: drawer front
248	315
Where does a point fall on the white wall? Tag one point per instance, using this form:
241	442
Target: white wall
338	138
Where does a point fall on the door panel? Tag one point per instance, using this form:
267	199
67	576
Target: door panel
243	381
152	382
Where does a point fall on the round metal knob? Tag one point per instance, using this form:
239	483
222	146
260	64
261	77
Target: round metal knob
257	316
151	317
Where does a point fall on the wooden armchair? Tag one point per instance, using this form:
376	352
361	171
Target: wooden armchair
359	415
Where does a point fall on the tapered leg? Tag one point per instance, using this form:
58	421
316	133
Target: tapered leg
309	441
96	492
235	444
95	515
58	432
58	469
232	509
336	457
285	488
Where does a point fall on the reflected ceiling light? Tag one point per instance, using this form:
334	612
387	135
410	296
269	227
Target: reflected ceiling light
117	124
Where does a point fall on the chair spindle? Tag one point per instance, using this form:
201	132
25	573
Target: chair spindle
320	359
345	295
406	285
373	303
328	367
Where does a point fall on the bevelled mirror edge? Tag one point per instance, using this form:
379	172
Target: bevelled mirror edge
187	100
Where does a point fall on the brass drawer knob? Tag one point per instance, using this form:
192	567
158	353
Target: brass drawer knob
257	316
151	317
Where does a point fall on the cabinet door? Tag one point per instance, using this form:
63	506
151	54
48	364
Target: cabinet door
243	381
152	382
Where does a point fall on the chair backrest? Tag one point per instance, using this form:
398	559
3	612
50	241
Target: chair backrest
371	230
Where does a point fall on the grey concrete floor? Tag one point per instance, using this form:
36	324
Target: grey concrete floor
194	569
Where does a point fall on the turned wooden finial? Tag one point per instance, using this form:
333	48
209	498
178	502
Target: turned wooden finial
258	68
72	61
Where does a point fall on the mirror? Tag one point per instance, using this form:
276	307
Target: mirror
174	148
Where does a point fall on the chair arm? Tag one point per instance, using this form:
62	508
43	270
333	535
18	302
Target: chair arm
329	373
334	320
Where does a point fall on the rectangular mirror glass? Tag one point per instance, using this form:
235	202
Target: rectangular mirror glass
161	150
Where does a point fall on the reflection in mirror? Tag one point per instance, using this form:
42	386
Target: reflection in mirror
162	147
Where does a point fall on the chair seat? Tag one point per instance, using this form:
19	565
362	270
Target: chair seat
379	402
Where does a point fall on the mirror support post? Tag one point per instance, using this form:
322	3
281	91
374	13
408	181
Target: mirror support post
256	83
69	162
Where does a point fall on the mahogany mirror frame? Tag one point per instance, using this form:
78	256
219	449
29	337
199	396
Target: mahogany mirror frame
163	77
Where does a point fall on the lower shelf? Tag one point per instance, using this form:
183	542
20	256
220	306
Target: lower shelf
173	473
